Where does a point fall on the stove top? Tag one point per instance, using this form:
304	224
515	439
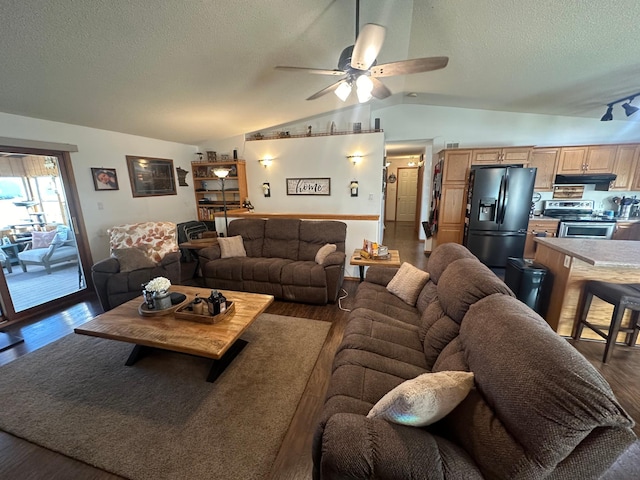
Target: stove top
583	218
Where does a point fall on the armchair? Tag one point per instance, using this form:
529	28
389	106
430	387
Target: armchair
118	279
50	248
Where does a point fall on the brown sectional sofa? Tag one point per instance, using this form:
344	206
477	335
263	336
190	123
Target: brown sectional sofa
538	408
280	260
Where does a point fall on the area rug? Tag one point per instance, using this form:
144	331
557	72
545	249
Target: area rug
160	419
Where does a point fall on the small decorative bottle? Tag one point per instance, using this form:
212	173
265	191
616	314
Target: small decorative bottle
214	303
198	305
223	303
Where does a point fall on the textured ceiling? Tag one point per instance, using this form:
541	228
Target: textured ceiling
194	70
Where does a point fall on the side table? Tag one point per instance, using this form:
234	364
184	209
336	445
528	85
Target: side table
361	262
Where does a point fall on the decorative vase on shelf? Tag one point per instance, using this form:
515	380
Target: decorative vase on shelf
162	300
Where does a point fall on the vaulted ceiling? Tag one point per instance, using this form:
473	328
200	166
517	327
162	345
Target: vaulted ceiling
192	70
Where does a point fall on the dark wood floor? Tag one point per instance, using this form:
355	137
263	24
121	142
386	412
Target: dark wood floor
22	460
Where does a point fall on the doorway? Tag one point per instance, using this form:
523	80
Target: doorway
44	247
407	194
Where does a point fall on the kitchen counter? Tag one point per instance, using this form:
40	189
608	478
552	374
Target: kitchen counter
601	253
573	261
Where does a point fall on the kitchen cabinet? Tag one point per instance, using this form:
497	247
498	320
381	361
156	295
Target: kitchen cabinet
208	188
539	227
623	230
587	159
450	198
500	156
636	177
624	166
546	161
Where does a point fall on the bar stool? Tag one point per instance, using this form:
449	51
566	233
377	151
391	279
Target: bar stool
622	296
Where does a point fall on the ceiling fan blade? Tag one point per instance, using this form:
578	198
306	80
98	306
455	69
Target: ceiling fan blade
405	67
380	90
367	46
324	91
316	71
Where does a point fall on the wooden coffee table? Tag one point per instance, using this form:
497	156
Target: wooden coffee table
220	342
392	261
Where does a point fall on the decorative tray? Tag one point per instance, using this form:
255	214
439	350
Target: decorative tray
152	312
185	312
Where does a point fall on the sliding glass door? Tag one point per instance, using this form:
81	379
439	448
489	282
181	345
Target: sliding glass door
44	256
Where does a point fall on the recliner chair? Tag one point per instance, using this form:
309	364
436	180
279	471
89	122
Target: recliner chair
159	241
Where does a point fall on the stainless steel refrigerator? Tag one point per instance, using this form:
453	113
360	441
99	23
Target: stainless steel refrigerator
497	215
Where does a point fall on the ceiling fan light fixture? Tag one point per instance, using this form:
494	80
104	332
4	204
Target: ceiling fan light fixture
364	87
609	115
343	91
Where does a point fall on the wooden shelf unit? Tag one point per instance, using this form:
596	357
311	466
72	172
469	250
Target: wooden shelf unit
208	187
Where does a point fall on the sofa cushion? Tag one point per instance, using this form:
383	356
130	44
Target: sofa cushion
252	232
442	256
304	274
42	239
407	283
281	238
315	234
324	252
423	400
516	355
133	258
377	297
231	247
465	282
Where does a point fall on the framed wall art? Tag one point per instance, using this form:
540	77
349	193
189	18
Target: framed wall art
105	179
308	186
151	177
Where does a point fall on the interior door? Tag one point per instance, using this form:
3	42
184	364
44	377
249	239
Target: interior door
38	199
407	195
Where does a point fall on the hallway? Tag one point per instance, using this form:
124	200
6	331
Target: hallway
403	237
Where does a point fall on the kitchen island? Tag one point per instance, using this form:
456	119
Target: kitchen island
572	261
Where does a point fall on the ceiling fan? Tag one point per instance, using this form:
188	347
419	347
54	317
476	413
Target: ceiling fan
358	65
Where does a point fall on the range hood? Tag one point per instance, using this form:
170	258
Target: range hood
601	181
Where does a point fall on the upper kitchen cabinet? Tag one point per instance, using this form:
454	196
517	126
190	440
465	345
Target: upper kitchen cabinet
501	156
624	167
587	159
546	161
455	166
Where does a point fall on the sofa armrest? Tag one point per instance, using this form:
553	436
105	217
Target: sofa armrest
170	258
354	446
108	265
335	258
380	275
209	253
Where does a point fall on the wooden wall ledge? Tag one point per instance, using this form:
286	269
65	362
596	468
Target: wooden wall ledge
242	213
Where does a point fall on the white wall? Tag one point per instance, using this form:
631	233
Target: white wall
101	148
311	157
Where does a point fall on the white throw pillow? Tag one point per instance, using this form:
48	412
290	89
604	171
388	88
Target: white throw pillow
231	247
425	399
324	252
407	283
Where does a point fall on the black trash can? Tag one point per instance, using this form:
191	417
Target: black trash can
531	282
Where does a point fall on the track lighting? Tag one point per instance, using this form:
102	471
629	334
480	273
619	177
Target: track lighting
628	108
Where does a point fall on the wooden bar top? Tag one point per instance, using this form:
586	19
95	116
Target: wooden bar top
599	253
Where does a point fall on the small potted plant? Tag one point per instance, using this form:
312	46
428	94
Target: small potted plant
159	287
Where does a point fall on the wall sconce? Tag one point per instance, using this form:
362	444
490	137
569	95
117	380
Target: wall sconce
355	159
266	189
266	161
354	188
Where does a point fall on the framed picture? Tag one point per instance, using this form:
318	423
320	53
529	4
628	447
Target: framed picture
105	179
151	177
308	186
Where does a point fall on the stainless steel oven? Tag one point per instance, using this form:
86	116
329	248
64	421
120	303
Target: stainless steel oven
586	229
577	219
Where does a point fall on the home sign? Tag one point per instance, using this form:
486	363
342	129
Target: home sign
308	186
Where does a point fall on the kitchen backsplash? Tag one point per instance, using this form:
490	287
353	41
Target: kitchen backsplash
603	200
